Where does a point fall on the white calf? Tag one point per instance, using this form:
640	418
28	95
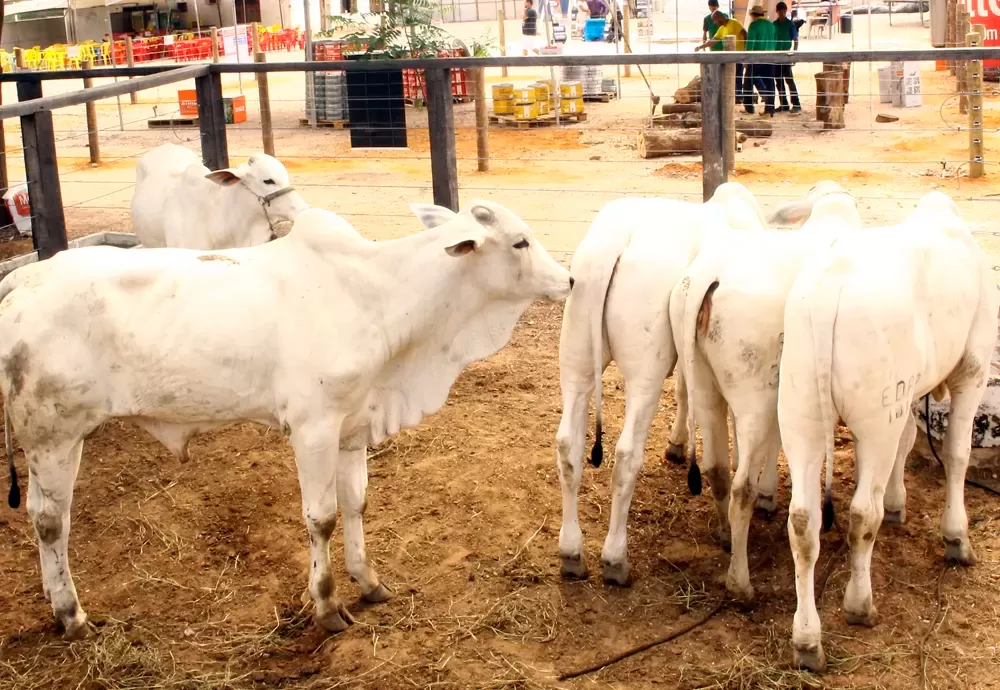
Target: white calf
624	269
179	203
880	319
338	341
728	312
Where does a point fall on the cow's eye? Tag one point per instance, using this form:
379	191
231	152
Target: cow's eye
269	181
523	244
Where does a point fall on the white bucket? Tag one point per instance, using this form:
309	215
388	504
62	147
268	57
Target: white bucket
884	84
16	198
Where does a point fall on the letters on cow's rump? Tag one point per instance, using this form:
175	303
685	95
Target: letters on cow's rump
878	320
179	203
337	340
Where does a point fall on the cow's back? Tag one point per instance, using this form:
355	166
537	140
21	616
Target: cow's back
171	198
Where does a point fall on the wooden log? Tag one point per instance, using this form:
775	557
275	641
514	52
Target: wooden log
845	67
830	99
668	108
681	142
482	122
759	129
689	94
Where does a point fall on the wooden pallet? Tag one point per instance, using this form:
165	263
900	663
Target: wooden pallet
605	97
173	123
540	121
329	124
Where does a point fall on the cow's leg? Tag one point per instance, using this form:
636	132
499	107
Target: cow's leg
316	456
955	454
754	433
571	441
895	491
352	488
51	476
804	449
875	455
678	437
641	399
711	412
767	487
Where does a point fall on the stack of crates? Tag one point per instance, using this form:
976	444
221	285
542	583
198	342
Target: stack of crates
571	98
526	103
329	94
644	14
415	83
503	99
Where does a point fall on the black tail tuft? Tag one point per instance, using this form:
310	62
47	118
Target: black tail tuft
828	512
597	453
694	477
14	497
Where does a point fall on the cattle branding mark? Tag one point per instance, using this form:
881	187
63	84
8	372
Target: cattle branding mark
218	257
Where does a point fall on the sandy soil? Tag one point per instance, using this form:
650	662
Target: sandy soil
193	572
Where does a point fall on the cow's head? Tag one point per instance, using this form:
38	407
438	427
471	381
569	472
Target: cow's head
266	180
506	257
835	200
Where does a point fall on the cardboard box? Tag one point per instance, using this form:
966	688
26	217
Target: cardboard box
189	102
904	84
236	109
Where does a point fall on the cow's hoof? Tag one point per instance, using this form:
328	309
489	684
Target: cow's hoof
618	574
336	620
675	453
574	568
959	551
743	595
76	629
811	658
769	504
897	517
865	619
378	595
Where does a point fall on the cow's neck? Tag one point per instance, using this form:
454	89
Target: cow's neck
237	213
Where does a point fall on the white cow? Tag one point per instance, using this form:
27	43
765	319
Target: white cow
178	202
339	341
879	320
625	268
728	312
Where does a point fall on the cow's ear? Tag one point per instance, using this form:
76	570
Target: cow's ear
463	247
791	213
432	216
224	177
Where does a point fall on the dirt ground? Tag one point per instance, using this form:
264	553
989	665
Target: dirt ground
193	572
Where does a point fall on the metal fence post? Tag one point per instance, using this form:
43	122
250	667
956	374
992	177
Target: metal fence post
713	134
48	224
212	121
441	127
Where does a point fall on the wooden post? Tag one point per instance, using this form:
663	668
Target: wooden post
625	33
963	66
441	127
255	36
830	99
48	224
264	97
92	141
949	30
130	61
215	45
975	91
502	39
482	121
212	121
729	105
19	59
713	159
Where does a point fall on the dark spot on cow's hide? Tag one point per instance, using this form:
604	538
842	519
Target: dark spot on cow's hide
49	527
324	588
15	367
218	257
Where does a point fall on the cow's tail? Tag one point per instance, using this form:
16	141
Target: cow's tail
14	497
697	314
823	317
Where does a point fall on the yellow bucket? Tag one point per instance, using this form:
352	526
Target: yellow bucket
571	89
542	90
571	105
527	94
526	111
543	107
503	107
503	92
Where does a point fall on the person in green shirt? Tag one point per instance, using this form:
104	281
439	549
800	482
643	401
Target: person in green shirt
728	27
708	27
760	37
786	38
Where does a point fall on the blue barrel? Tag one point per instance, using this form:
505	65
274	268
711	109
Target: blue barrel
593	29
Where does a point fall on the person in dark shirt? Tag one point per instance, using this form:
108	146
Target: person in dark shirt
786	38
708	27
595	9
529	28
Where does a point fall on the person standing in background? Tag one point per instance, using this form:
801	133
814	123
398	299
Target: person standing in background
786	38
529	28
728	27
760	76
708	27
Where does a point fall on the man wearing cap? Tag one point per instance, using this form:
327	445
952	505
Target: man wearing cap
728	27
760	38
786	38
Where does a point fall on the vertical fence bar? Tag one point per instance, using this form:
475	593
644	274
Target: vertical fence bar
212	121
729	106
264	97
130	61
502	40
215	45
93	144
48	224
482	121
965	27
441	126
713	136
975	90
626	34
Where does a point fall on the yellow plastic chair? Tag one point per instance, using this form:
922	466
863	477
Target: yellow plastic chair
33	58
6	61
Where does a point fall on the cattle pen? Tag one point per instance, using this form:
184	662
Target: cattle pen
193	572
